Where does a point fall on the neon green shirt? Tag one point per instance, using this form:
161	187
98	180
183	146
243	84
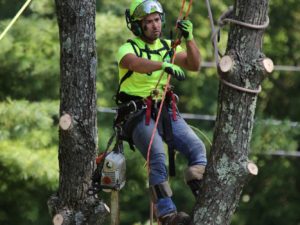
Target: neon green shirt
143	84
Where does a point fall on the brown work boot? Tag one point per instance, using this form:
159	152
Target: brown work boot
176	218
195	186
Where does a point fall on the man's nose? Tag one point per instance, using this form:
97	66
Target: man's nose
155	25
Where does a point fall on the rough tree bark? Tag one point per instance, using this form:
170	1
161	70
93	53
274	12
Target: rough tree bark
228	167
78	124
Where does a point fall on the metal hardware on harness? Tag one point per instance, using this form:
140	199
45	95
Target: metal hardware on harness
131	107
134	105
176	97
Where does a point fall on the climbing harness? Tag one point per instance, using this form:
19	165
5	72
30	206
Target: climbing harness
225	18
151	103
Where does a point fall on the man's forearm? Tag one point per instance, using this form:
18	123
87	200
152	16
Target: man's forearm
140	65
193	55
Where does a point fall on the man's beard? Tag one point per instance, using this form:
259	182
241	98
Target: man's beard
152	37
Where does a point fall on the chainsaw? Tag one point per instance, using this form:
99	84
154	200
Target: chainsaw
110	171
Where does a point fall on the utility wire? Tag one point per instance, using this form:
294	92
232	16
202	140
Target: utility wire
279	153
282	153
211	118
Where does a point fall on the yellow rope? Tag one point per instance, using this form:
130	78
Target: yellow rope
14	19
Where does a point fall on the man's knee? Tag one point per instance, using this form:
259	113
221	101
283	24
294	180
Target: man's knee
194	172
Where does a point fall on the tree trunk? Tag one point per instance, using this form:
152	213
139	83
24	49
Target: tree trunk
78	121
228	167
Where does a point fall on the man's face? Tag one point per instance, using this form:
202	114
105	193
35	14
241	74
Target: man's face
151	26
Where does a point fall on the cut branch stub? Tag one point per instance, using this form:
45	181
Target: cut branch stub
268	65
252	168
225	64
65	122
58	219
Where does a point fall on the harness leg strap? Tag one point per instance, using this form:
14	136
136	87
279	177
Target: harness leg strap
159	191
148	110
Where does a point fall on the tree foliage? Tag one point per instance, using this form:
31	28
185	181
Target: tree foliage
28	161
28	60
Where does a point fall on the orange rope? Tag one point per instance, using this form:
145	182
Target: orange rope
189	8
181	10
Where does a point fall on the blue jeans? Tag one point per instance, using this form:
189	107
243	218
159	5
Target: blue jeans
184	140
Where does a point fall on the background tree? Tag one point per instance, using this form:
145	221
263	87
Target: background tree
78	118
228	167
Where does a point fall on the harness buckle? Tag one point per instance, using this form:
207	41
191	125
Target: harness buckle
134	105
176	98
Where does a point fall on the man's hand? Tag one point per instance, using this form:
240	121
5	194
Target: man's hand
186	28
174	70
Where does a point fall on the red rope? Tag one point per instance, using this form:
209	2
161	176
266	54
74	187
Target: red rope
156	123
163	98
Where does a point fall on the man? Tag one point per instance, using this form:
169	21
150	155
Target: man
141	62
